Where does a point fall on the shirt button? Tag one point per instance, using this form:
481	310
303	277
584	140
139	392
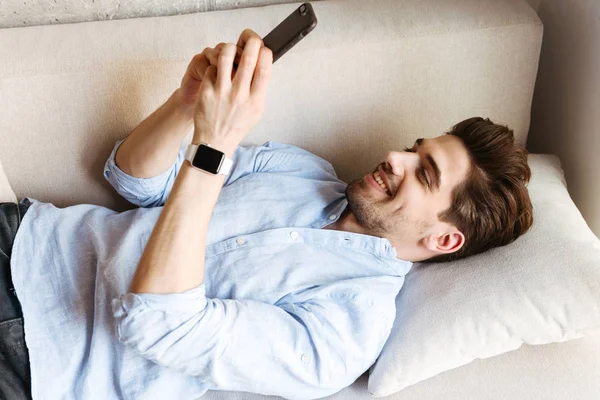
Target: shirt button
294	235
305	358
241	241
332	217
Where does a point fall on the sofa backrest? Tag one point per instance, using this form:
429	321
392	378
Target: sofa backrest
372	77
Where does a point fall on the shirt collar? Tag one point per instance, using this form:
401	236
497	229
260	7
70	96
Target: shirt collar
381	247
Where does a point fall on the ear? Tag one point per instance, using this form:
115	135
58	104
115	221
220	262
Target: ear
446	242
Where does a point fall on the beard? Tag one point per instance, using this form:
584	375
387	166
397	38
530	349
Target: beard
366	210
379	218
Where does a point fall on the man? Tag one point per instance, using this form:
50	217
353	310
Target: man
302	270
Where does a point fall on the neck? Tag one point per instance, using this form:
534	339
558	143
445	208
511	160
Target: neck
346	223
404	251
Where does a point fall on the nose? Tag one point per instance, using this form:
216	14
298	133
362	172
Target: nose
398	162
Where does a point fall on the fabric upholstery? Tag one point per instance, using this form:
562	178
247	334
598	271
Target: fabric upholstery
371	77
557	371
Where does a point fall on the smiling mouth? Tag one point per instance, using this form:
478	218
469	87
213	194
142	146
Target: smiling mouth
381	183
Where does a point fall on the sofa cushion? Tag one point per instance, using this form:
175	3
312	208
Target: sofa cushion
373	76
542	288
567	370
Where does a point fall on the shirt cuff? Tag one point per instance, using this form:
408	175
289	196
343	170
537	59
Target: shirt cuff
140	188
190	301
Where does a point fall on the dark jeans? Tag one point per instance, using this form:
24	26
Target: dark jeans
15	379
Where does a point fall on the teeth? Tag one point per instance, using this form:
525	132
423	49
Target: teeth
381	183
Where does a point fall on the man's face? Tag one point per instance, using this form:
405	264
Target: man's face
421	180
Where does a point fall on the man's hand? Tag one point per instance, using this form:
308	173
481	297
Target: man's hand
229	105
191	81
225	105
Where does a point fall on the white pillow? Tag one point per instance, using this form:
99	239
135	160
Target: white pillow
542	288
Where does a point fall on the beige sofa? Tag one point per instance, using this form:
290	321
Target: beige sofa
373	76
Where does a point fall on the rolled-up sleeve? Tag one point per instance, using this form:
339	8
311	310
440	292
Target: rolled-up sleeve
143	192
154	191
299	350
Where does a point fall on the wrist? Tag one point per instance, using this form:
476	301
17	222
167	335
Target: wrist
180	106
226	149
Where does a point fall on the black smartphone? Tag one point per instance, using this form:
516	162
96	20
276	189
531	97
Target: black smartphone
285	35
292	30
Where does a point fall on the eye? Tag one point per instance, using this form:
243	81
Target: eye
423	173
422	170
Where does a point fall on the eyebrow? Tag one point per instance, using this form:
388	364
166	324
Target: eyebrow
437	174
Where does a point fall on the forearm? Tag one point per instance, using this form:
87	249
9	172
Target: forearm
173	260
224	113
152	147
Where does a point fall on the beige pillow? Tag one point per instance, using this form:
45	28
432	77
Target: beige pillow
542	288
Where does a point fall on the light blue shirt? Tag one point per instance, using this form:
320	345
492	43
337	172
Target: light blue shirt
286	308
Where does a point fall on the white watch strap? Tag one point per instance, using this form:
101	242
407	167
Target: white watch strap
226	166
191	152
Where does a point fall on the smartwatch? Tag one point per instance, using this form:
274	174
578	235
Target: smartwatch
208	159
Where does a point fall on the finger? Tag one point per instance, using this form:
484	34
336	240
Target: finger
213	54
225	65
243	76
238	56
213	57
198	65
245	36
241	43
262	74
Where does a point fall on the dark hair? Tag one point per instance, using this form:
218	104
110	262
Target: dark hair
491	207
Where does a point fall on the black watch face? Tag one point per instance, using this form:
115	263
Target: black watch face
208	159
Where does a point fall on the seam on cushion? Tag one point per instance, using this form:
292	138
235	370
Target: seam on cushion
479	27
87	68
157	61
